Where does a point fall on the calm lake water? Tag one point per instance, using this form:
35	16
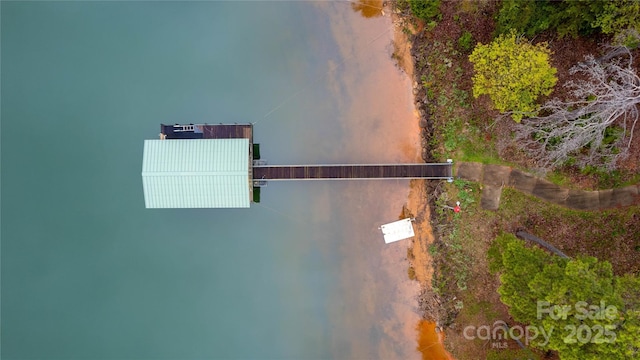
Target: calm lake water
88	273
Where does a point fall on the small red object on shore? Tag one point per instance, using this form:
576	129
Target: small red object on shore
457	207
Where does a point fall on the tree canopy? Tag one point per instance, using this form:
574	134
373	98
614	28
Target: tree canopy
426	10
602	311
618	15
572	18
513	72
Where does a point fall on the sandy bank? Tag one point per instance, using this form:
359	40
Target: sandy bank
430	338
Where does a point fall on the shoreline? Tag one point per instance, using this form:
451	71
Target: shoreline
453	124
421	204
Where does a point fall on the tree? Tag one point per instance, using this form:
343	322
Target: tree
565	17
529	275
513	72
628	289
596	125
516	264
568	17
618	15
426	10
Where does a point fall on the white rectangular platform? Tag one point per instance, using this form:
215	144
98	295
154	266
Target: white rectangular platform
397	230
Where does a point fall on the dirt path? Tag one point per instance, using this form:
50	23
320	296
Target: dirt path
495	177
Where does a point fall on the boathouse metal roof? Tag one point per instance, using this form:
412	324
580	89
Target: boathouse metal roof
196	173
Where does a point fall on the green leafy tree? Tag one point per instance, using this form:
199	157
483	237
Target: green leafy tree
569	17
618	15
565	17
426	10
528	17
529	275
513	72
516	263
580	280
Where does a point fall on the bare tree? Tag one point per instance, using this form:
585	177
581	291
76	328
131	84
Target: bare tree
605	95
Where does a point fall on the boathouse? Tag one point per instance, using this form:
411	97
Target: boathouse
199	166
219	166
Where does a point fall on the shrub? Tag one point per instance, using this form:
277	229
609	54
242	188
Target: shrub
465	42
425	9
513	72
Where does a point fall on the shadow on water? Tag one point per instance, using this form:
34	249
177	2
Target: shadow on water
430	342
368	8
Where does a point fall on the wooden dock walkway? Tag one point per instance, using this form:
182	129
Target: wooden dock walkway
353	172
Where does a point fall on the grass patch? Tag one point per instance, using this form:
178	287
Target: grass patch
606	179
559	178
482	307
461	274
459	131
608	235
511	354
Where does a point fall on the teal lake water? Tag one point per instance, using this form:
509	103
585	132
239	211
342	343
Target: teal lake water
89	273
